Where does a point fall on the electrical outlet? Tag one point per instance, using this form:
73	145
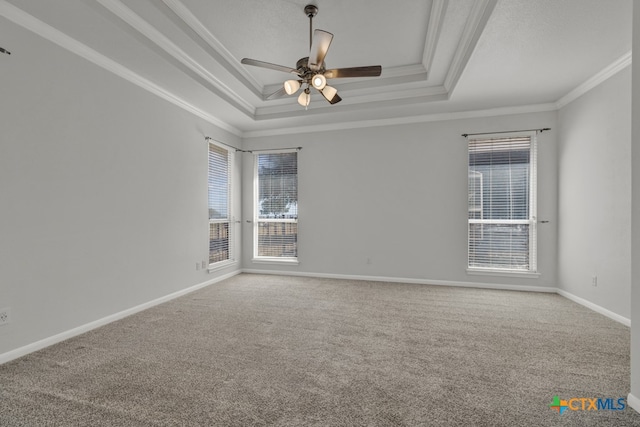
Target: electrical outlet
204	264
5	316
594	280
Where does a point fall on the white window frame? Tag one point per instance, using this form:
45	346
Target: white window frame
532	221
256	220
213	266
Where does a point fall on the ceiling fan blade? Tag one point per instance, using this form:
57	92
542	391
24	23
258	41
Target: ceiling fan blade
336	98
319	48
262	64
368	71
277	94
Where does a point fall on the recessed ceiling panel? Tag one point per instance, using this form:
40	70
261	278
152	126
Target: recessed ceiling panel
366	32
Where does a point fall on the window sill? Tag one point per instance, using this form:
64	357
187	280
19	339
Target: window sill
220	265
267	260
505	273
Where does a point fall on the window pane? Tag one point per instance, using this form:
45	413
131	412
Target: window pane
278	185
499	246
476	193
499	203
218	241
278	239
505	190
218	182
278	203
219	207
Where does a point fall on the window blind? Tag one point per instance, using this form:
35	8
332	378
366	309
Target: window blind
277	205
219	183
501	208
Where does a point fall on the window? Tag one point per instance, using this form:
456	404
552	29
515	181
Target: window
276	215
220	219
502	208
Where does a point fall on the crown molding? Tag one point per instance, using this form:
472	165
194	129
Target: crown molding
367	100
618	65
226	58
482	10
390	77
143	27
474	27
436	19
425	118
23	19
395	76
389	85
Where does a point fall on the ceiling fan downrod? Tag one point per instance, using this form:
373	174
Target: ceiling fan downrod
311	11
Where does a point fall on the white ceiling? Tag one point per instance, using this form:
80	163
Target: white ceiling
437	56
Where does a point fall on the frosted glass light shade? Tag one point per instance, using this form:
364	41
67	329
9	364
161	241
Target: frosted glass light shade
305	98
291	86
329	92
319	81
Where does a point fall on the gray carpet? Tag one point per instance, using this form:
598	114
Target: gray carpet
289	351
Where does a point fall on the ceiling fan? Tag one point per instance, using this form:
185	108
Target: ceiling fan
311	70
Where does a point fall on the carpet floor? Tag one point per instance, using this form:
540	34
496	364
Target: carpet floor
259	350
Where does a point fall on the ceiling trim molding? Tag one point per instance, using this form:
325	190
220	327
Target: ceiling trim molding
367	100
29	22
482	10
436	117
474	27
150	32
228	61
618	65
436	19
392	76
395	76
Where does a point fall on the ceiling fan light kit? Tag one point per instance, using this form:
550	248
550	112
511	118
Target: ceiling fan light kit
305	98
329	92
311	70
291	86
319	81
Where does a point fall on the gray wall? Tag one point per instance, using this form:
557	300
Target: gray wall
595	195
635	242
102	192
398	196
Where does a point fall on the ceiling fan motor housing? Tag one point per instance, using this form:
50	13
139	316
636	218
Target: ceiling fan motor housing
305	72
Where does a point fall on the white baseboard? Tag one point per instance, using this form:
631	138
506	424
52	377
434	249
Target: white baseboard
22	351
38	345
407	280
581	301
595	307
633	402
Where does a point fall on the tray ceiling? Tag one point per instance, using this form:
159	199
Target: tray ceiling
437	56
